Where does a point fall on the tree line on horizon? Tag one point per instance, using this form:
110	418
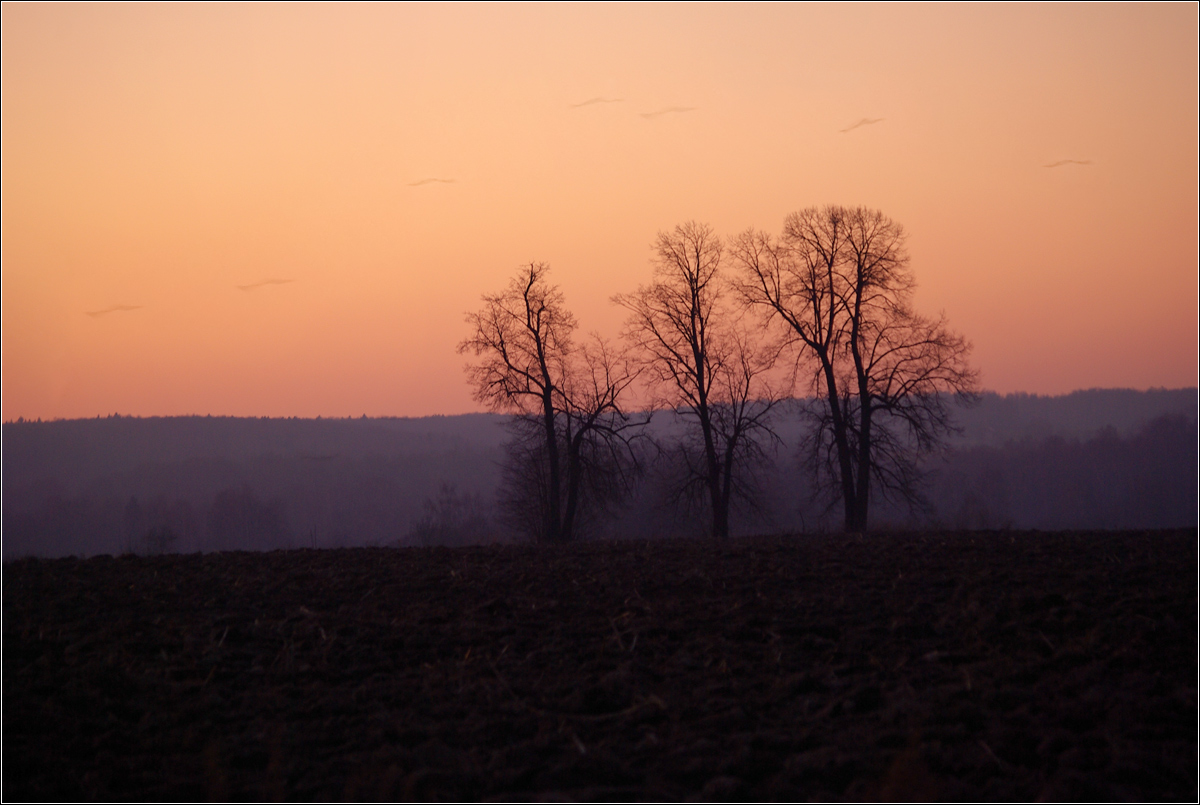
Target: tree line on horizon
724	332
1089	460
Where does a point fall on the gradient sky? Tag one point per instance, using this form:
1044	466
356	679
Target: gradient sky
162	163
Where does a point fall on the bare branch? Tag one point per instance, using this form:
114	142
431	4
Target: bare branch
682	326
837	283
572	444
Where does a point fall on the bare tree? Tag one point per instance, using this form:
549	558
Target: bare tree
684	332
160	540
839	285
596	439
598	433
451	518
567	401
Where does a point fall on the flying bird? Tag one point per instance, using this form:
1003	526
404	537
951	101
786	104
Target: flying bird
95	314
667	111
591	101
430	181
866	121
254	285
1068	162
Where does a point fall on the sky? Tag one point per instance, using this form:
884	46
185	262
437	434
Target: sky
227	209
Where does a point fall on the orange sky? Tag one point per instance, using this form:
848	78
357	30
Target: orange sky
157	157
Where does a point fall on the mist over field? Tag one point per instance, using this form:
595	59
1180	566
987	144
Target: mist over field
1104	459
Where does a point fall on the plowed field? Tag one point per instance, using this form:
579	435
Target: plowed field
990	666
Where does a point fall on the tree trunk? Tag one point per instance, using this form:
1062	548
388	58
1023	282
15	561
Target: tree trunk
553	523
720	512
862	494
727	485
574	470
841	440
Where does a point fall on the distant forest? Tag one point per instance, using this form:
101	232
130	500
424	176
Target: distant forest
1108	459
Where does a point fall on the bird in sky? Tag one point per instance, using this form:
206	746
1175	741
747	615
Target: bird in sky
866	121
1068	162
667	111
420	182
591	101
95	314
254	285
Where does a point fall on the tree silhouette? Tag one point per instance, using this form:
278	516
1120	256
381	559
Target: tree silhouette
683	329
567	400
160	539
838	284
451	518
134	523
239	520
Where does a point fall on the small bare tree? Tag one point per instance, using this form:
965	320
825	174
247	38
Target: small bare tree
685	335
595	438
567	403
160	540
451	518
838	284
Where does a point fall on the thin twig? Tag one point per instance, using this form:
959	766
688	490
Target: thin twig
648	701
620	642
993	755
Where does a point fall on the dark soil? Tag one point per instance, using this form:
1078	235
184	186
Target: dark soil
990	666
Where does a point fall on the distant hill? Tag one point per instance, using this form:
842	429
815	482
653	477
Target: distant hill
1091	459
1081	414
69	485
78	450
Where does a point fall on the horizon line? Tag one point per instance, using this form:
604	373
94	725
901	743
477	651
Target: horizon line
22	420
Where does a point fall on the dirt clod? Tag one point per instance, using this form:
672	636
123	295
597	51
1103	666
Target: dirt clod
978	666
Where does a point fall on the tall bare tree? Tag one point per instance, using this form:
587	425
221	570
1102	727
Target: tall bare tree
838	283
598	432
684	331
567	401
